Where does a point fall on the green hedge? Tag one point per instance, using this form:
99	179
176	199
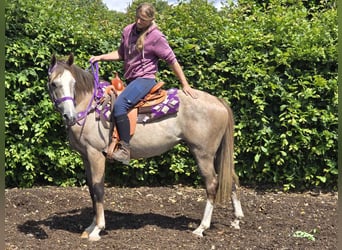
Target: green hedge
275	63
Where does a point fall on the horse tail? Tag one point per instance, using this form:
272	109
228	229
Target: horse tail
224	161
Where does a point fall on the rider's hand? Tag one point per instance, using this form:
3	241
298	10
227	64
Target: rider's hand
190	91
94	59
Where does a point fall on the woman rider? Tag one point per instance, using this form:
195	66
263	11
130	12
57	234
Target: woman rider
142	45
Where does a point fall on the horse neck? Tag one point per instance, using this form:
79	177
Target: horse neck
83	100
84	87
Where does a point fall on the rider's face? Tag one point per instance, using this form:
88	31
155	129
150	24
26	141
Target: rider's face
142	21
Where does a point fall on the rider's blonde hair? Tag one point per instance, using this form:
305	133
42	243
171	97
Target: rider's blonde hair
149	11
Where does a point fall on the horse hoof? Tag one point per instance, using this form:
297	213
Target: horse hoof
198	233
235	224
94	238
85	235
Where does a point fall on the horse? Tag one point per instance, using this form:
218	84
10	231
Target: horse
205	124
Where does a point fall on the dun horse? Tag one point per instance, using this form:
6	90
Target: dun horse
205	124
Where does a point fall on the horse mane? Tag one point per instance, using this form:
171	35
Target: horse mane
84	80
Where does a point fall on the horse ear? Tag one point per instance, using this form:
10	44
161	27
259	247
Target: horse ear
53	60
70	59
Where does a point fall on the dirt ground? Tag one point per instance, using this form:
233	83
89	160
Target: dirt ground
164	217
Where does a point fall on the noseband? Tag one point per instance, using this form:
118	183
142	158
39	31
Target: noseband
63	99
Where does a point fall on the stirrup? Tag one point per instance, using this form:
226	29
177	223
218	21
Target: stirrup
109	151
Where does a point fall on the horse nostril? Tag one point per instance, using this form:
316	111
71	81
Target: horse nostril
69	120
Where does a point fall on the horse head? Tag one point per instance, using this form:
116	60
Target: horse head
61	86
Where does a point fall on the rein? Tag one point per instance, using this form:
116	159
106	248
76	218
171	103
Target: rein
83	114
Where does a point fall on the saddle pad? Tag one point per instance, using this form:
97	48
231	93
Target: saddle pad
169	106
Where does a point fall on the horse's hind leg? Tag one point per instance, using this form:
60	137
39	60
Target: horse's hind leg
236	206
95	166
210	177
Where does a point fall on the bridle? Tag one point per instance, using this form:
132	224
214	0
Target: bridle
63	99
83	114
58	101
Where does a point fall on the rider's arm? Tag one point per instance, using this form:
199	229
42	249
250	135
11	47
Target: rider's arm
178	71
112	56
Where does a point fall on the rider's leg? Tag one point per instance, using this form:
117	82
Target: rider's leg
132	94
123	128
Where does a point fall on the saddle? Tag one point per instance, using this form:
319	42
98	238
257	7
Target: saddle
155	96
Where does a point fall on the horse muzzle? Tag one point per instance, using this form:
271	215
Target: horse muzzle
68	113
66	106
69	119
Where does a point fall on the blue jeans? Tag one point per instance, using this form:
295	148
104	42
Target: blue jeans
133	93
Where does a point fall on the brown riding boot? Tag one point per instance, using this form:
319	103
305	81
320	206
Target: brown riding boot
122	154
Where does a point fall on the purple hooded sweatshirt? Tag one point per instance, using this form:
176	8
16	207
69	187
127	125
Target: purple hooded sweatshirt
144	63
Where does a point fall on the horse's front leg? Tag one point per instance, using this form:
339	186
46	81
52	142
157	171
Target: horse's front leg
95	166
206	220
92	232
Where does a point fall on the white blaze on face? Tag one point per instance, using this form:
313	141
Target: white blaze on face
67	83
65	87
